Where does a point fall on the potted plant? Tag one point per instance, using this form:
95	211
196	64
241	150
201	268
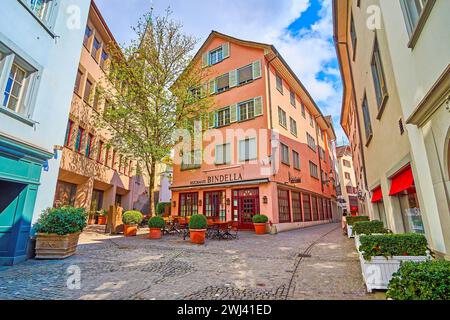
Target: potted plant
430	280
382	255
351	221
367	228
260	223
131	220
58	231
102	217
156	224
197	228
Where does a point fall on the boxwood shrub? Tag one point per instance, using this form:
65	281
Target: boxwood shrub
132	217
260	218
428	280
388	245
198	222
352	220
156	222
369	227
62	221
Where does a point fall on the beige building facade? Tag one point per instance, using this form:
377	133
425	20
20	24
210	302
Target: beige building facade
395	65
348	190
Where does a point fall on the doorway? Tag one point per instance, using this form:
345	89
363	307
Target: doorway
245	206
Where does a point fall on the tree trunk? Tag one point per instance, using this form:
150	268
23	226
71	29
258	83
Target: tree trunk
151	189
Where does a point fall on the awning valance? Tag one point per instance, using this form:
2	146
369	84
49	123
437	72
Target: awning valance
402	181
377	195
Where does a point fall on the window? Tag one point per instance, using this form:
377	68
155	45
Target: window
378	76
247	150
96	99
311	142
282	117
306	207
285	154
65	194
77	87
245	74
79	140
41	8
87	91
113	160
296	207
192	160
215	205
353	35
314	208
246	110
412	10
347	163
296	159
303	111
188	204
223	83
100	151
108	149
90	138
313	170
223	154
104	57
14	91
284	213
279	82
223	117
69	130
311	120
95	48
293	125
347	175
87	35
367	123
292	97
216	56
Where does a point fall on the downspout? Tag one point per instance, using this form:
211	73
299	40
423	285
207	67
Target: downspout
270	110
318	154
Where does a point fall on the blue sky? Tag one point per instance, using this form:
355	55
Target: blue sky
300	29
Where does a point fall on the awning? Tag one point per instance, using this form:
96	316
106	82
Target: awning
377	195
402	181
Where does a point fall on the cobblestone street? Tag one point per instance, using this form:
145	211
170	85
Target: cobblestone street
313	263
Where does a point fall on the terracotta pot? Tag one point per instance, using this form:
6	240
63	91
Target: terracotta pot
260	228
53	246
197	235
129	230
102	220
155	233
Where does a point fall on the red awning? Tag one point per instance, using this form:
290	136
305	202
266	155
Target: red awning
402	181
377	195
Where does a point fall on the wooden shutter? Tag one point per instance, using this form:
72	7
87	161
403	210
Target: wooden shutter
212	119
258	106
212	87
233	78
205	60
233	113
257	72
226	50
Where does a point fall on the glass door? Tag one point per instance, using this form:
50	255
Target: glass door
245	206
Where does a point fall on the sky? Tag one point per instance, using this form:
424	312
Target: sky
301	30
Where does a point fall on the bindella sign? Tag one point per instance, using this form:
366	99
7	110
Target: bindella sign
222	178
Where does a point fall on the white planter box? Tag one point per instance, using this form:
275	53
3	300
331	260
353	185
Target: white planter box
377	272
357	242
350	231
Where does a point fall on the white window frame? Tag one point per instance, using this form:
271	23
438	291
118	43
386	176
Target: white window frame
49	19
250	154
225	159
248	105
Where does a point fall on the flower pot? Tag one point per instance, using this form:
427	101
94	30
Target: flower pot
91	221
155	233
102	220
129	230
53	246
260	228
197	235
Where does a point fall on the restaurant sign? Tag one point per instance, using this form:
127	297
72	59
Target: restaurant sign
222	178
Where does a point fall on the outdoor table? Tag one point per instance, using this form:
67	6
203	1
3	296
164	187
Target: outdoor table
220	233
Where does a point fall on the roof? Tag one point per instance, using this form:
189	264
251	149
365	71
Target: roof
278	62
343	150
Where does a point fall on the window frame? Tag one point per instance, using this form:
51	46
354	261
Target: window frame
415	29
250	156
293	126
379	78
283	148
313	170
249	104
279	83
49	22
296	156
282	117
225	159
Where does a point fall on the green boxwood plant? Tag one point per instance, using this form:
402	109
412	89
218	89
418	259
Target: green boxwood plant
156	223
160	207
388	245
260	218
198	222
62	221
369	227
428	280
132	217
352	220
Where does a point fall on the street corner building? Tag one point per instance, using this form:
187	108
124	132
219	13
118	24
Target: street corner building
272	153
37	51
396	111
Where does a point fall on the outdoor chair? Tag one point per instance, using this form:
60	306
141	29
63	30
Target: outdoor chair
233	229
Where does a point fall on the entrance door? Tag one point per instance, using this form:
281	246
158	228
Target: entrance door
245	206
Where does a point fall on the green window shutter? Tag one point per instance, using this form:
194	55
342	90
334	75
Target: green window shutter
258	106
205	60
203	90
226	50
233	78
213	86
212	120
257	72
233	113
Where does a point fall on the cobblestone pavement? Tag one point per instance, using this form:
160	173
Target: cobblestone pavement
253	267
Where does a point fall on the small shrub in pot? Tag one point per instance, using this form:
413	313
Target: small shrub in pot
131	220
260	223
197	228
156	224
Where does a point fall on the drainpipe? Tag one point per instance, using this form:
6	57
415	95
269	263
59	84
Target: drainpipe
270	106
318	154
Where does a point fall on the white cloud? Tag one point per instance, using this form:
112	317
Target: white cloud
309	53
